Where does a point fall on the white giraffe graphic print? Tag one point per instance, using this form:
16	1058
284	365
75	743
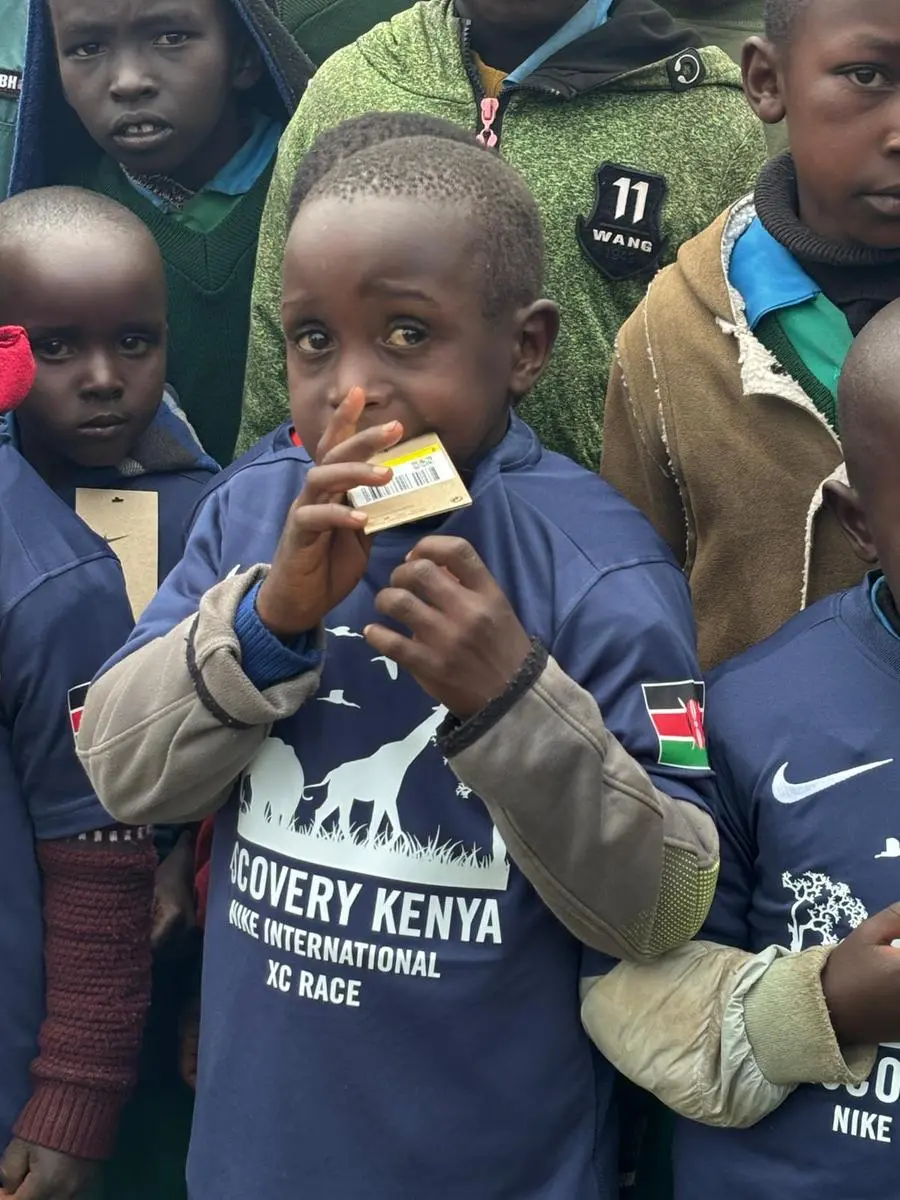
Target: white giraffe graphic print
375	780
275	802
822	908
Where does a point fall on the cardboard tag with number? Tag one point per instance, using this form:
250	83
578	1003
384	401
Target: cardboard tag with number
129	523
425	483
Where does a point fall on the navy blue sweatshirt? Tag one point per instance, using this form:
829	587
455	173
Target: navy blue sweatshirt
167	460
803	733
63	611
388	1007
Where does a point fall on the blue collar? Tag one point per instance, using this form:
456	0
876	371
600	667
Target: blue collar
588	18
239	175
767	275
241	172
875	589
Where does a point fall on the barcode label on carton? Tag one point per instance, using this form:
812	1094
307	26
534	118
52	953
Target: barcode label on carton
425	483
411	472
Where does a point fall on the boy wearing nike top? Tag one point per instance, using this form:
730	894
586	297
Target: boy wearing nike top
803	737
389	942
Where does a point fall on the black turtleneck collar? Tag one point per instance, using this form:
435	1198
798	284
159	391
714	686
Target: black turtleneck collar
859	280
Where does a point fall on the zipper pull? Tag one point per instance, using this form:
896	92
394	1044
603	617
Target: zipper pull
489	109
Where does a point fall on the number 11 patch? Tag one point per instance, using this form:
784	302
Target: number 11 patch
623	235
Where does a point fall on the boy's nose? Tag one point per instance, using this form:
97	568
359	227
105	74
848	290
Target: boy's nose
130	81
360	371
101	380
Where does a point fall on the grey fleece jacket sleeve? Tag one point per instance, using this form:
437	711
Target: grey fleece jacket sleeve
720	1035
167	730
629	869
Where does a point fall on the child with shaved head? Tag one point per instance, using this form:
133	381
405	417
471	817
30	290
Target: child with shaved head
439	755
782	1011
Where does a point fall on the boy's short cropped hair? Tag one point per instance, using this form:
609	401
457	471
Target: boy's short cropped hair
779	18
31	215
359	133
506	225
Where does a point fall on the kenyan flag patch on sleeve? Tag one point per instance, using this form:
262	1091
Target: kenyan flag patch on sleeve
676	710
77	697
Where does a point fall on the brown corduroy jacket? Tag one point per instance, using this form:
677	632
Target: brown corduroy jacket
723	451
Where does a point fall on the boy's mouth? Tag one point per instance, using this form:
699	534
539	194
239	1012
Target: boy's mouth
140	132
103	425
886	202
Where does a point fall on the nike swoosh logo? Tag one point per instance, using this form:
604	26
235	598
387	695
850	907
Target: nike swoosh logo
109	541
790	793
235	570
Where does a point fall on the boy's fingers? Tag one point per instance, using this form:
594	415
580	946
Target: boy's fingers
335	480
431	583
407	609
14	1166
883	928
323	518
458	556
403	650
361	446
343	422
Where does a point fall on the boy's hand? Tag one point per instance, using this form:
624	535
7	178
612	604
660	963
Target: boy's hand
467	644
861	982
173	894
34	1173
189	1042
323	550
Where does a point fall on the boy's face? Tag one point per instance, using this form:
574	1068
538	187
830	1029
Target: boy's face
838	82
382	294
155	82
94	308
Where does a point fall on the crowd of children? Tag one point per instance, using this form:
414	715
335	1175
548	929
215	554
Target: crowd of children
377	804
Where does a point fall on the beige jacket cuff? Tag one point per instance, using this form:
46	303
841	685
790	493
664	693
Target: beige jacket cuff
167	730
789	1030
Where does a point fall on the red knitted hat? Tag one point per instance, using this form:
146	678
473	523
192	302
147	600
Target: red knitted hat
17	367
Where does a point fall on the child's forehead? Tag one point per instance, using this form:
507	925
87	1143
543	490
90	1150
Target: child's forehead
383	235
56	276
399	217
73	13
875	21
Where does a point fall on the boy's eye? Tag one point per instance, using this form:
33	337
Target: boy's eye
86	50
868	77
171	39
52	348
135	344
405	335
312	341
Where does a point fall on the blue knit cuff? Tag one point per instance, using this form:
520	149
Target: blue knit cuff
265	659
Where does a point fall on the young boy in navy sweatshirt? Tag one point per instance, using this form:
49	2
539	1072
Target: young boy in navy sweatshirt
803	738
75	891
175	112
395	945
84	278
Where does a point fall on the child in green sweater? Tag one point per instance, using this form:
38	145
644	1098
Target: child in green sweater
175	113
630	138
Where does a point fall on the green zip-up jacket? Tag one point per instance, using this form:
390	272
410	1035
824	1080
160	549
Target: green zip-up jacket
675	138
323	26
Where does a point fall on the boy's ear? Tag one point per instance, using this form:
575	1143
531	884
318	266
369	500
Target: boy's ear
538	326
851	516
247	65
761	71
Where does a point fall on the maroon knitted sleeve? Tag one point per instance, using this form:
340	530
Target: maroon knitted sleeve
98	901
